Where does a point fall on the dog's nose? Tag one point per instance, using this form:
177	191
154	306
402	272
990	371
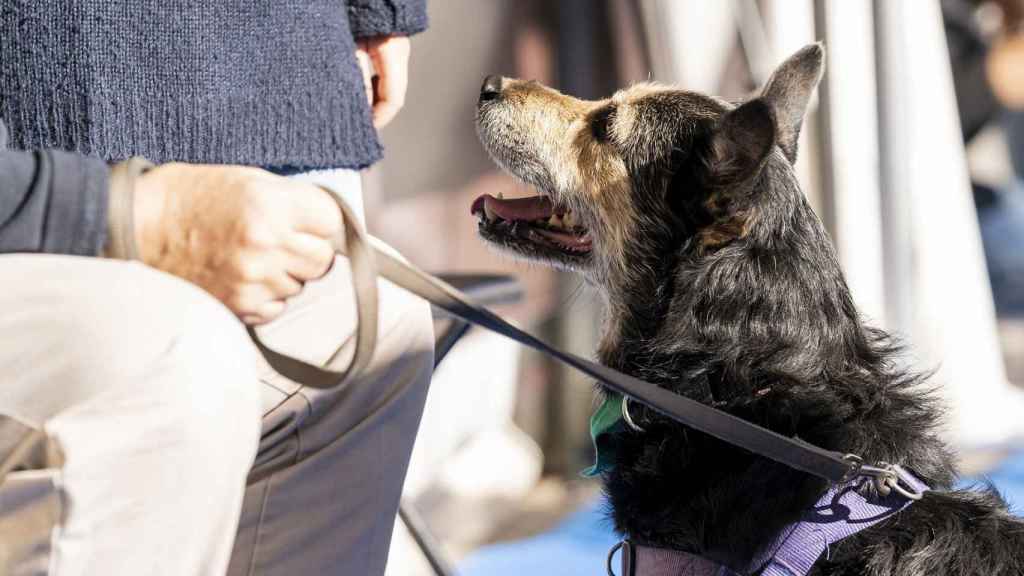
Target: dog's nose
491	88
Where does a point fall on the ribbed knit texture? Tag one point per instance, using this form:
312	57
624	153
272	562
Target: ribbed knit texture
258	82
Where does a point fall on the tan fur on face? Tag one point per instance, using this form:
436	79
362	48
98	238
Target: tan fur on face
554	131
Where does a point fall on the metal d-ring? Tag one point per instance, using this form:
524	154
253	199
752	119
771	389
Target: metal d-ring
887	478
611	556
627	417
902	475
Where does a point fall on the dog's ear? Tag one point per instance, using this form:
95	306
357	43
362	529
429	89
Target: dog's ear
789	90
740	142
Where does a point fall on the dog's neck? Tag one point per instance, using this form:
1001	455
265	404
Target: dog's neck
762	327
676	295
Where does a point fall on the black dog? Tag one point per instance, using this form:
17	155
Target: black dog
722	285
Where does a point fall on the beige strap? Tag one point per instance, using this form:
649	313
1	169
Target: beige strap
355	245
29	442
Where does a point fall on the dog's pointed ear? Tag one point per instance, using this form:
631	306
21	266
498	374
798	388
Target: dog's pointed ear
789	90
740	142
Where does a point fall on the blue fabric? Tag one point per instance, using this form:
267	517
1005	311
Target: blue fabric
1008	478
576	547
1002	232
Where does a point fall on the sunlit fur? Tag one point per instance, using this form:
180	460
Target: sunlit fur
721	284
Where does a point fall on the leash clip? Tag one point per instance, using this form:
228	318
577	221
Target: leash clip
627	417
889	478
856	463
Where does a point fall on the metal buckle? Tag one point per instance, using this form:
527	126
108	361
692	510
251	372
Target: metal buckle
627	417
889	478
856	463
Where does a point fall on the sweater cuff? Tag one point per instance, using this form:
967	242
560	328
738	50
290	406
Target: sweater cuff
121	213
76	218
369	18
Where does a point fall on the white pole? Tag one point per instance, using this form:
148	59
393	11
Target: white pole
853	150
689	41
947	313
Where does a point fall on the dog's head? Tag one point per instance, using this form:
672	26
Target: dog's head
651	165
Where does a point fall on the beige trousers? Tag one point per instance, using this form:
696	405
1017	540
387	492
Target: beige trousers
172	449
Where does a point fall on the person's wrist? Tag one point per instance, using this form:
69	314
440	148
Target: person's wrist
151	196
121	222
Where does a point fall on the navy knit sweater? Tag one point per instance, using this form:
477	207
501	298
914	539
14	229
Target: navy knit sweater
259	82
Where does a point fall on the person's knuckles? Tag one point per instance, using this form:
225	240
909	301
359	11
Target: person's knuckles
245	267
270	311
256	234
238	302
247	298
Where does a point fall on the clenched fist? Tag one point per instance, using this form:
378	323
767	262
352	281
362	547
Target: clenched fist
248	237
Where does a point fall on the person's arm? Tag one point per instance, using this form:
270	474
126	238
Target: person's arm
52	201
370	18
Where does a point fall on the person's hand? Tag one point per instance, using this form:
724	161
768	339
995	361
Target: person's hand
388	56
248	237
1005	70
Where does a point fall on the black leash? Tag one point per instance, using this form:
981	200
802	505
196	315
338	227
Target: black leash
364	256
793	452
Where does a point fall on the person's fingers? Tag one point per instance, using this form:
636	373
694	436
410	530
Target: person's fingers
308	257
366	67
267	312
390	57
314	211
251	300
283	286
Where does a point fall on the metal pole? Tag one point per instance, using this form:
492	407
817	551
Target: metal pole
424	539
893	180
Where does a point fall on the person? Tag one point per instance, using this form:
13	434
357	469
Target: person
140	432
990	88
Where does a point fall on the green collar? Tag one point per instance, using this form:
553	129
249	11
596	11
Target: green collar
606	420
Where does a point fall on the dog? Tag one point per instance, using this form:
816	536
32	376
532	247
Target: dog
720	283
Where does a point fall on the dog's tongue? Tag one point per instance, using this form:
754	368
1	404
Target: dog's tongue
534	208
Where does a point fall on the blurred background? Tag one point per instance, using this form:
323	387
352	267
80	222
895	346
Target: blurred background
913	156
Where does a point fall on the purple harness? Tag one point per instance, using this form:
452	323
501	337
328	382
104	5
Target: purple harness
842	512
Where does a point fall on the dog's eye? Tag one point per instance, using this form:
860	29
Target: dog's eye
600	123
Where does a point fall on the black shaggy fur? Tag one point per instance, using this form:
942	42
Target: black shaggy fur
734	297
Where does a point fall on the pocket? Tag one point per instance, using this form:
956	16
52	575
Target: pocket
31	508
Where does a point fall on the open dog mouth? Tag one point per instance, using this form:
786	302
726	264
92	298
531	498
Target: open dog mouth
532	225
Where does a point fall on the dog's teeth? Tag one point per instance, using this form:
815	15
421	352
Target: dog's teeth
569	220
488	213
501	195
555	220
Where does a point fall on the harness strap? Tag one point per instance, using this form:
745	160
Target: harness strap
842	511
793	452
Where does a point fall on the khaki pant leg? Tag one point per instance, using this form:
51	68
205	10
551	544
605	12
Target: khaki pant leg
324	492
146	389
